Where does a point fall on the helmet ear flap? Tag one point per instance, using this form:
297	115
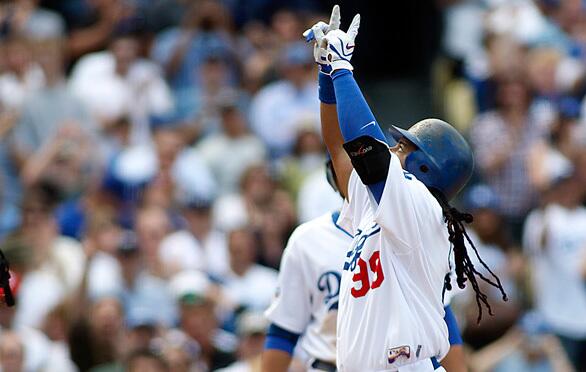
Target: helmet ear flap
421	166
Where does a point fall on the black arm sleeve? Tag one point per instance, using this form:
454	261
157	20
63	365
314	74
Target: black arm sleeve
370	158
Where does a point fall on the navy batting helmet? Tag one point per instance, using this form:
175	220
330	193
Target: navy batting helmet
443	160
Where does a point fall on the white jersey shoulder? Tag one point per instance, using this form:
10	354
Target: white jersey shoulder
309	285
390	307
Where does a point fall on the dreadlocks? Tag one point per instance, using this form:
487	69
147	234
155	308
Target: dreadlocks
464	268
5	280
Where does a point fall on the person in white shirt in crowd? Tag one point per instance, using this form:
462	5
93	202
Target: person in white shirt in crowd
234	138
197	299
251	328
563	143
27	18
199	106
26	347
21	75
555	240
51	138
102	235
247	284
165	169
140	287
117	82
54	264
316	197
278	107
308	155
198	244
262	205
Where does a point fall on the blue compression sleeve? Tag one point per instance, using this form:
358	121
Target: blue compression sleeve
326	91
355	117
281	339
453	329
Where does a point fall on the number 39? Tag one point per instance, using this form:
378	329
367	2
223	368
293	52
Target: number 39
363	276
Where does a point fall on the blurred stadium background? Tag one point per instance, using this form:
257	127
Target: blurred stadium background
156	154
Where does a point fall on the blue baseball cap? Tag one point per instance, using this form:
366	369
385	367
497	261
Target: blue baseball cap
569	107
481	196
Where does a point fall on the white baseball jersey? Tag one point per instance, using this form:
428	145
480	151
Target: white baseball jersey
390	308
309	284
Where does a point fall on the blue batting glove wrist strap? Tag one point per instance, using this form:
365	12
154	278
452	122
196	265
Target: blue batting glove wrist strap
326	89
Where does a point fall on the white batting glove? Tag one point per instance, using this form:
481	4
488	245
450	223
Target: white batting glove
317	33
341	45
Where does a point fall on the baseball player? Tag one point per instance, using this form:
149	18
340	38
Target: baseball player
307	301
390	311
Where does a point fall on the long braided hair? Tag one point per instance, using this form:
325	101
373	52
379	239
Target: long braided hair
5	280
465	270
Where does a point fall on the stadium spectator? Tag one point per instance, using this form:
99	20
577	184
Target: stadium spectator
54	263
180	50
198	245
198	320
560	148
25	18
180	351
21	74
117	82
262	205
556	242
247	284
230	152
251	329
92	23
142	287
308	155
152	225
499	253
96	338
52	136
199	106
501	140
278	108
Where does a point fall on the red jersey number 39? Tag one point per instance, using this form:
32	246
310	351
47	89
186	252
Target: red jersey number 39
362	279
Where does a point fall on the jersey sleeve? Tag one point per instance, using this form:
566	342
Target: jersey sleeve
291	307
407	210
356	207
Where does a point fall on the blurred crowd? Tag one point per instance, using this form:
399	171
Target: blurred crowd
155	155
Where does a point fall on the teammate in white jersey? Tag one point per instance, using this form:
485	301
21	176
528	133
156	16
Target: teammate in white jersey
390	311
307	301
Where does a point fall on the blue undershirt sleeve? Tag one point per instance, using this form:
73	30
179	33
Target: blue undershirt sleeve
453	329
355	117
281	339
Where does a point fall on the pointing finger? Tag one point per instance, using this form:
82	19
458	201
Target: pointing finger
353	29
335	18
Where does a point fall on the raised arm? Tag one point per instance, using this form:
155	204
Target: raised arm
364	140
328	115
331	133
